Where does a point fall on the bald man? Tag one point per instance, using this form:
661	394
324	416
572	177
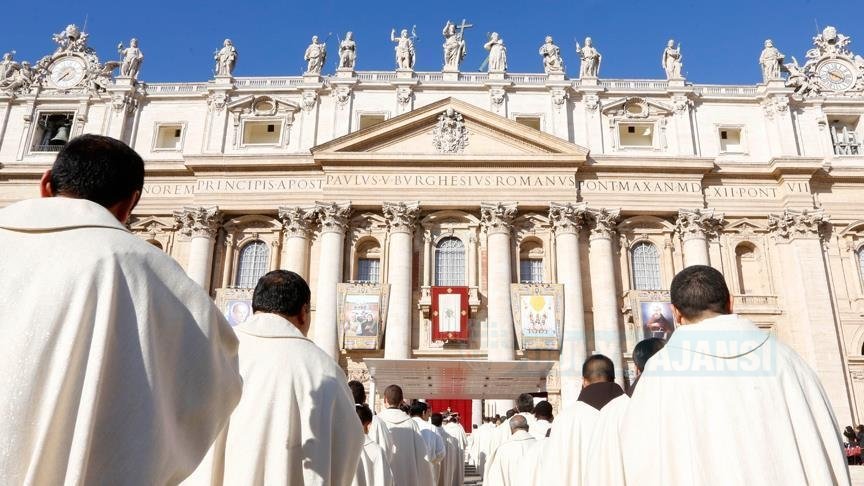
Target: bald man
506	467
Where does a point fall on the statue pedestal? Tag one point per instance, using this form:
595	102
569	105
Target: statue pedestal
124	81
225	82
589	81
403	73
555	76
450	75
343	72
498	75
676	82
311	78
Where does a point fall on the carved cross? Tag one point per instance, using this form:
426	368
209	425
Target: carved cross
462	27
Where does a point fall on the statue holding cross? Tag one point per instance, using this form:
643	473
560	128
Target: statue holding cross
455	48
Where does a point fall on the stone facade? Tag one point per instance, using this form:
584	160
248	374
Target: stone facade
764	182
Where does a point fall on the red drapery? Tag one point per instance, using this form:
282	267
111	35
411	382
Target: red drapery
462	407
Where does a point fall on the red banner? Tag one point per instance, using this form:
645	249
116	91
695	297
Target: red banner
450	313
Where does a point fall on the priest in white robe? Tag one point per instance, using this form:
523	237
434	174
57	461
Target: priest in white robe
377	431
543	420
454	429
435	449
296	422
726	403
506	467
373	468
501	434
117	368
410	464
483	443
450	465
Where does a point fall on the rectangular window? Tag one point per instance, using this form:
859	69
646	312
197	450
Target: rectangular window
369	119
52	131
636	134
731	140
169	137
368	269
529	121
530	270
845	136
262	132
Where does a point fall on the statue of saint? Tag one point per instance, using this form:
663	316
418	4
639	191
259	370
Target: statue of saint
19	80
497	53
551	54
405	55
7	66
315	56
131	58
455	48
347	52
590	66
672	60
226	59
771	60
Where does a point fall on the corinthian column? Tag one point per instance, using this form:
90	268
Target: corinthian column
200	224
567	219
604	292
496	219
810	325
298	223
401	218
333	221
695	226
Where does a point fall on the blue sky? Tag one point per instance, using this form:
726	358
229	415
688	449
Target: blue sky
721	39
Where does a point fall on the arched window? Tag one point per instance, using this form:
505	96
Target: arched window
646	266
450	262
252	264
531	262
749	269
369	262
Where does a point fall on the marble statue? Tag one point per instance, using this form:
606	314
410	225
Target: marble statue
347	52
497	53
797	78
19	80
131	59
315	56
551	54
226	59
672	60
455	47
771	60
405	54
71	40
7	66
590	56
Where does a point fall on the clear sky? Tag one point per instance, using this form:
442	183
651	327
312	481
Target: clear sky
721	39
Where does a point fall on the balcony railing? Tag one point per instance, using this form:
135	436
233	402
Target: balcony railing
46	148
756	304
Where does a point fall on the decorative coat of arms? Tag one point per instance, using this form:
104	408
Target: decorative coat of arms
450	135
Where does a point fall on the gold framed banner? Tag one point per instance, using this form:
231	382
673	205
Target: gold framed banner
652	314
538	315
235	304
362	311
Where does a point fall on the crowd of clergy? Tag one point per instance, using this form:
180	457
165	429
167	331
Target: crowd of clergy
118	369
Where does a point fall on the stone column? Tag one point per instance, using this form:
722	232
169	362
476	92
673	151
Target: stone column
298	223
427	258
472	258
567	219
476	413
401	218
496	219
333	219
810	325
604	292
200	224
695	226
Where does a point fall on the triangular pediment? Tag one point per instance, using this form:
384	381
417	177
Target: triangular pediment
450	130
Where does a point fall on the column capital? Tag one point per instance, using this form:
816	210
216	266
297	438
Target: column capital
198	221
797	223
401	217
602	221
698	223
497	217
567	218
298	221
333	217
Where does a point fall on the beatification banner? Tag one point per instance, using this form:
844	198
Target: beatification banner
538	315
362	309
450	313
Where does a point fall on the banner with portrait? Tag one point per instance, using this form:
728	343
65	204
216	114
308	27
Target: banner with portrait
362	314
450	313
235	304
652	314
538	315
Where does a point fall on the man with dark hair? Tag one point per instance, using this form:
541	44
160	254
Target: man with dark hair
542	420
506	468
721	385
411	463
296	422
642	352
118	368
377	430
434	442
373	468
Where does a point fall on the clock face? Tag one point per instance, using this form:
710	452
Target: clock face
67	72
835	75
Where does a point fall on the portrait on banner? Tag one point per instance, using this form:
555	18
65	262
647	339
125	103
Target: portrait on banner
656	319
235	304
362	312
538	315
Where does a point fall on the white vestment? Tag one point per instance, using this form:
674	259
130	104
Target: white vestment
380	434
373	469
117	368
725	402
539	428
606	443
506	466
435	449
449	473
460	438
410	464
565	451
483	441
502	433
296	422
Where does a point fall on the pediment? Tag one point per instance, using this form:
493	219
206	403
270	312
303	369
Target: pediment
449	130
636	107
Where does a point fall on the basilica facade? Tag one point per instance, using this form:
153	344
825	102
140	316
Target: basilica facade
473	235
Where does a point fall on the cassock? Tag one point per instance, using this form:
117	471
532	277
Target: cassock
725	402
606	445
410	464
461	442
506	466
449	467
381	435
296	422
434	446
373	469
117	368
